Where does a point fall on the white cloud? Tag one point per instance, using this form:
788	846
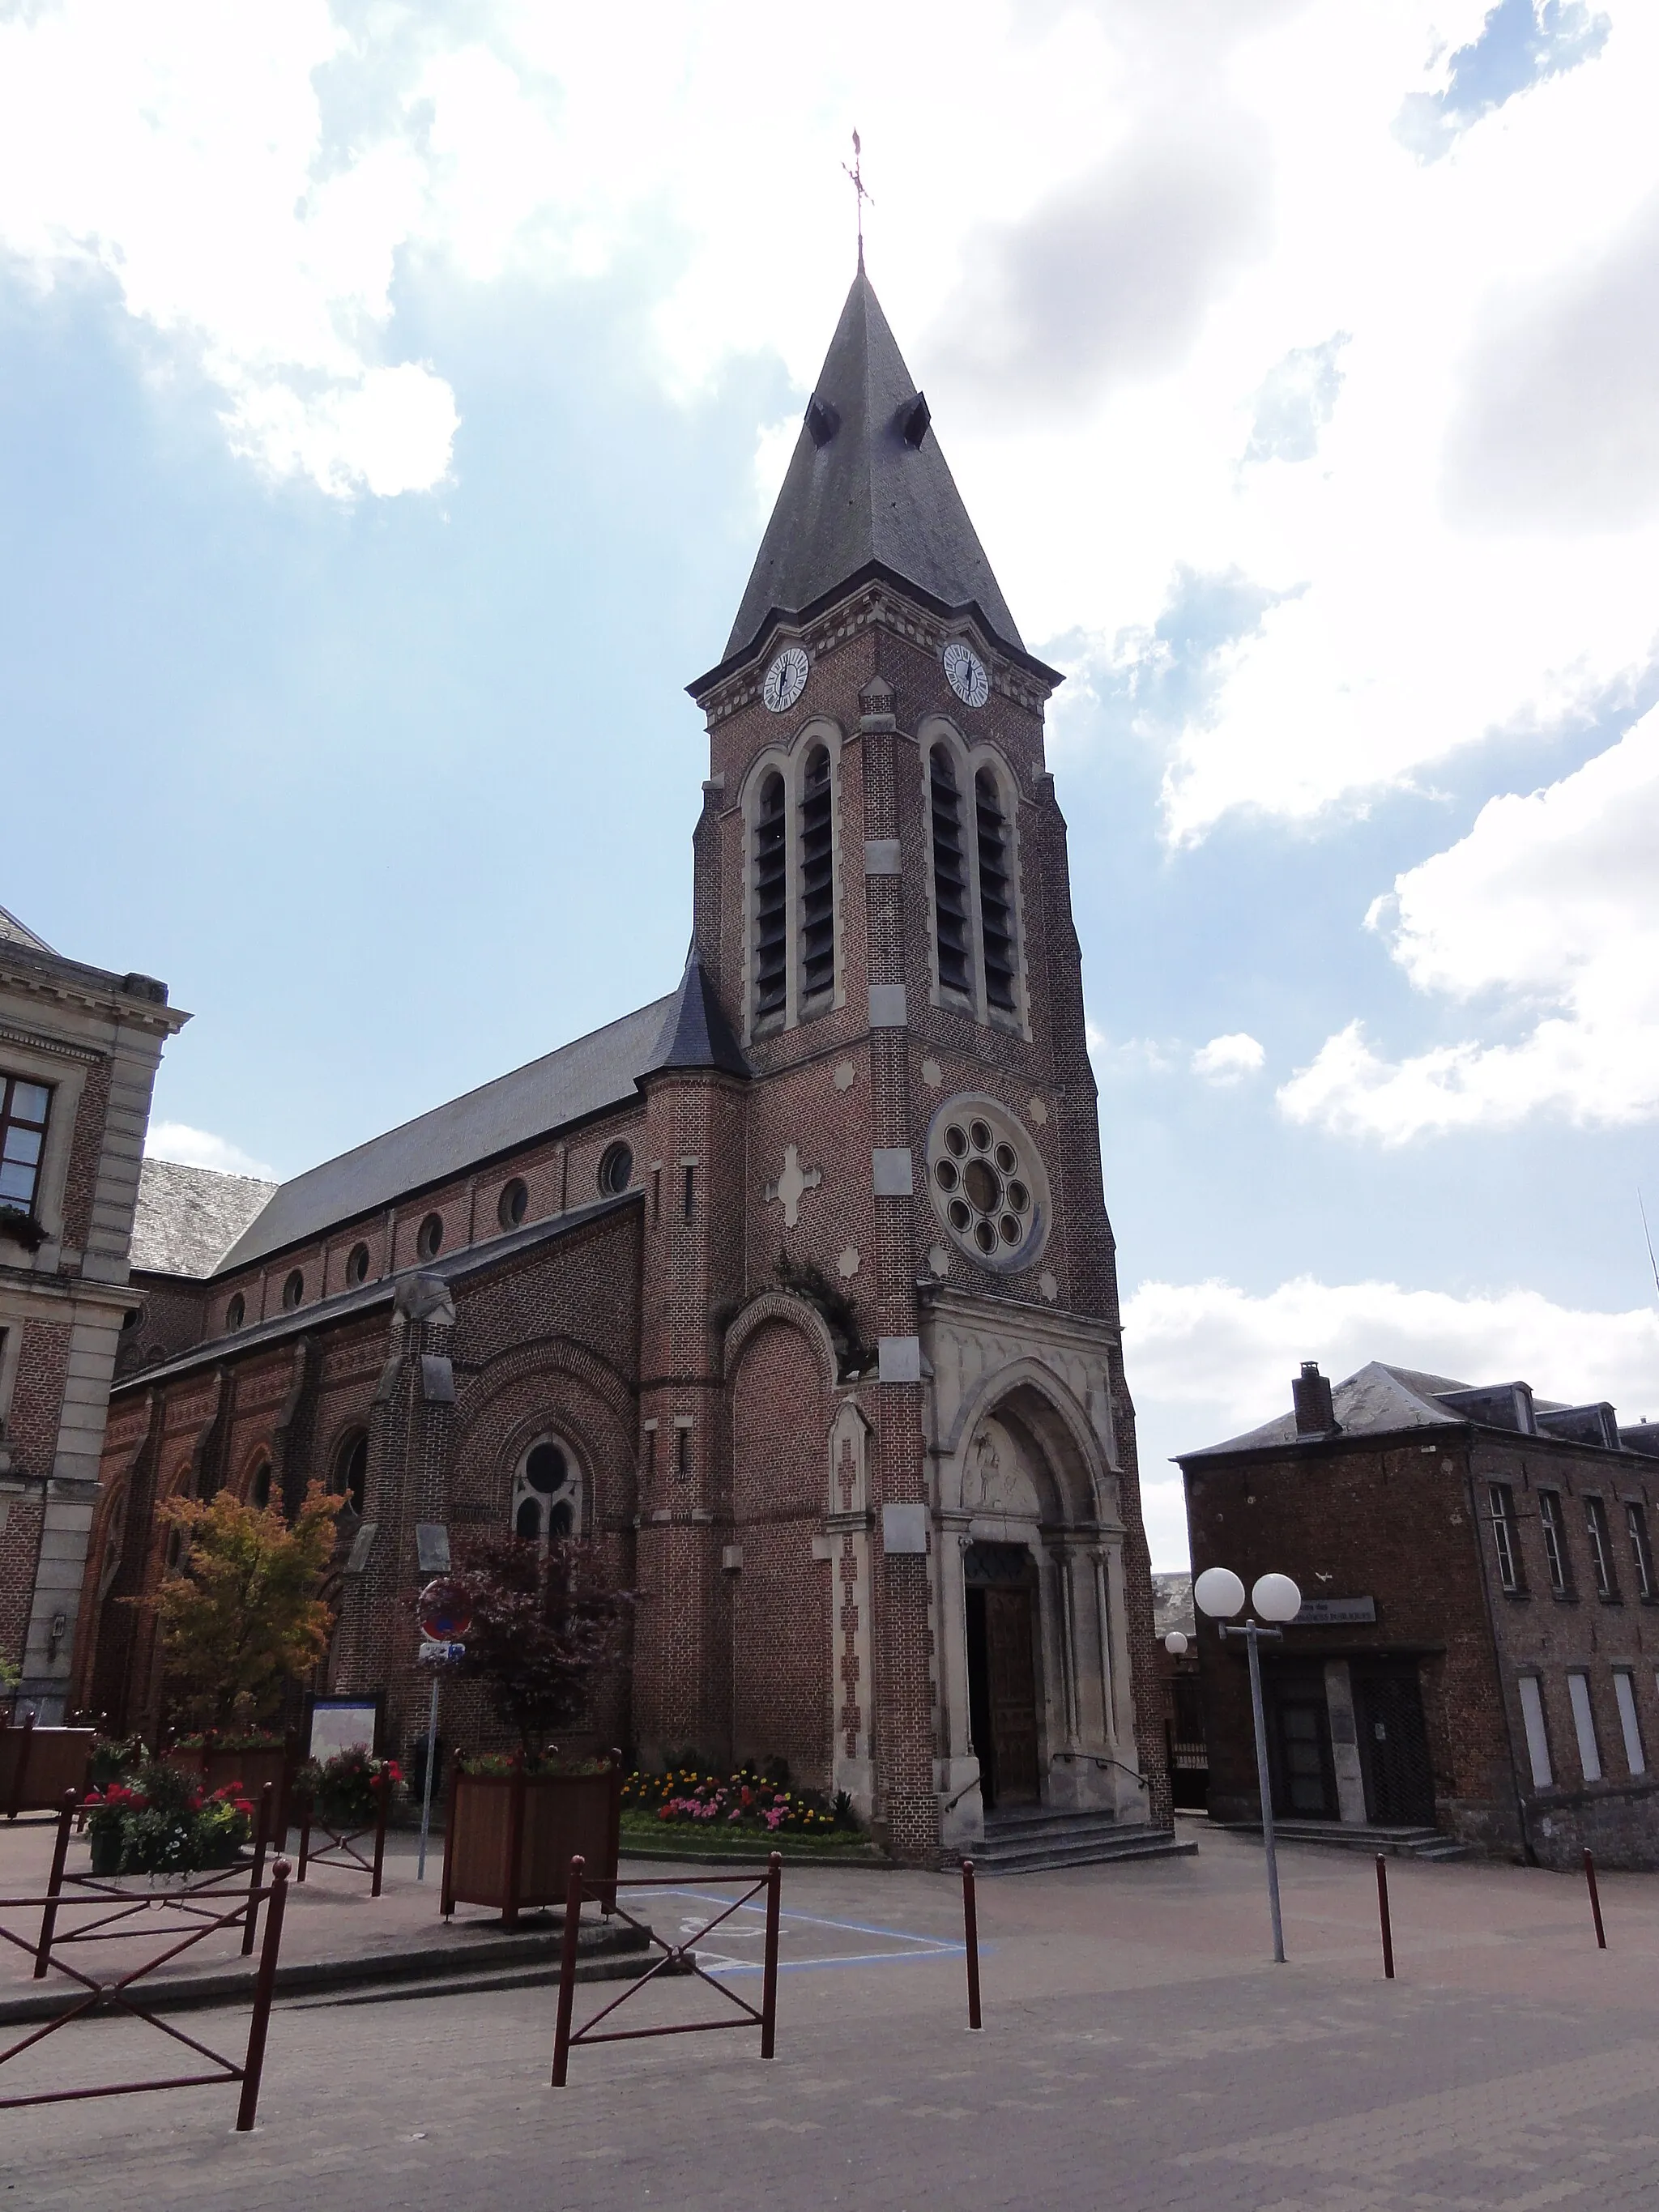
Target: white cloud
1207	1361
251	182
200	1148
1551	906
1229	1059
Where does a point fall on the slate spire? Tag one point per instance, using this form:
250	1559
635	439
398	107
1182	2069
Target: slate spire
697	1033
867	488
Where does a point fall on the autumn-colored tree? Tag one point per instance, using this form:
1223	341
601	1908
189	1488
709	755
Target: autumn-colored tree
546	1619
239	1615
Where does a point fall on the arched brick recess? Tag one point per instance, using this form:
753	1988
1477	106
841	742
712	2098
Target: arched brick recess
549	1385
781	1416
779	1306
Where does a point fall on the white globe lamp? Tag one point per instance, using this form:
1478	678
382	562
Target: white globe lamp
1276	1598
1219	1593
1174	1644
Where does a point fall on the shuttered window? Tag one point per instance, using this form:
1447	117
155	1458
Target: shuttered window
817	889
950	875
771	901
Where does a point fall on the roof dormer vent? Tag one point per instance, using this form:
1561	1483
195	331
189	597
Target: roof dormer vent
823	420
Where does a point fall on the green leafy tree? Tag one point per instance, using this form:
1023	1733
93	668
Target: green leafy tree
239	1615
547	1619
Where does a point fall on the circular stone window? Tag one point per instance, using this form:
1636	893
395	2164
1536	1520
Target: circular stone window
236	1311
357	1266
988	1182
428	1241
616	1169
513	1203
293	1290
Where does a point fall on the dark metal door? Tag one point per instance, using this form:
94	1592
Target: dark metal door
1393	1747
1011	1668
1305	1777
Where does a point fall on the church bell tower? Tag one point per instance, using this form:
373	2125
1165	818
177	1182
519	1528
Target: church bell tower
896	1342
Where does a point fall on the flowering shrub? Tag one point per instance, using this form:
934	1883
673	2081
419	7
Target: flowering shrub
747	1801
164	1822
346	1789
114	1756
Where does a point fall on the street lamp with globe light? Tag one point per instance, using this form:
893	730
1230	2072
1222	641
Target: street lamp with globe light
1219	1592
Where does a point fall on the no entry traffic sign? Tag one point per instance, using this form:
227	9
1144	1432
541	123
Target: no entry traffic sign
443	1612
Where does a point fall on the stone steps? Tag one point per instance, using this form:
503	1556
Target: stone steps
1040	1841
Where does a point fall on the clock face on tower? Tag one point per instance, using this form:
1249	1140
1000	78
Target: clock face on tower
786	679
965	672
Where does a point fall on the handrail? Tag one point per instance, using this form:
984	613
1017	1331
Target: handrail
1095	1759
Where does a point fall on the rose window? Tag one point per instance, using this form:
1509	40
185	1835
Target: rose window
987	1181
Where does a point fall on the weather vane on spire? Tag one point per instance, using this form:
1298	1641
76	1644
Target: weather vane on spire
855	172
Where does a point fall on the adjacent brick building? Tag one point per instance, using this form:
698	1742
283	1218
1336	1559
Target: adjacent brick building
795	1289
78	1053
1478	1649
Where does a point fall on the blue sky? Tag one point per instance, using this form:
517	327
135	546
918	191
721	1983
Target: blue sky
390	405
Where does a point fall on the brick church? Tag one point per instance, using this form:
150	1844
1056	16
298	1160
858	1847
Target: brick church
793	1290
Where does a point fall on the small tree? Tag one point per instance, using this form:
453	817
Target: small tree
546	1619
239	1615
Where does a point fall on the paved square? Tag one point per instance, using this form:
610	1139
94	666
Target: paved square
1139	2051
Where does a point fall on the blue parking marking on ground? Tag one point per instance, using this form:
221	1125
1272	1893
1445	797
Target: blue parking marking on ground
916	1946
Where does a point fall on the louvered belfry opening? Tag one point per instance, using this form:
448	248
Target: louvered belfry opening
996	904
950	875
771	901
817	889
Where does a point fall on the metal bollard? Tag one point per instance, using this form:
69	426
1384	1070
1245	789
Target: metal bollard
1383	1910
253	2066
970	1935
572	1920
1596	1900
769	1987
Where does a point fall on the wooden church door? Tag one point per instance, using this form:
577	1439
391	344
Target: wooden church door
1012	1671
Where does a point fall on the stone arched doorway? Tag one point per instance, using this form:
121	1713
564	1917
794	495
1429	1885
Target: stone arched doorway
1031	1614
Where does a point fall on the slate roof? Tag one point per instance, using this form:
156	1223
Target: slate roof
595	1071
187	1219
697	1033
13	931
867	497
1378	1400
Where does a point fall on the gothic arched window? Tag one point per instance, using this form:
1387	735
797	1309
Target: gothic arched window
771	901
351	1470
547	1491
996	893
258	1488
949	874
817	887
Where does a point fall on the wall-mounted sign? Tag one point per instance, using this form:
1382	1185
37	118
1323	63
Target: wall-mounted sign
1335	1613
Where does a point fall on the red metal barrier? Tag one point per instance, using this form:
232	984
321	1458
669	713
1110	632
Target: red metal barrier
970	1935
340	1849
246	1878
115	1995
1382	1914
1596	1900
680	1957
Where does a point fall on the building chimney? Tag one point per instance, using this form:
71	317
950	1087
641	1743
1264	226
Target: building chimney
1316	1416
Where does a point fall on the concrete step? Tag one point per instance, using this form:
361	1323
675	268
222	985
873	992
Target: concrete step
461	1960
618	1967
1394	1842
1088	1841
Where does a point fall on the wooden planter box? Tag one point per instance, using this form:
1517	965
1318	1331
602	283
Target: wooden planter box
38	1765
253	1769
508	1839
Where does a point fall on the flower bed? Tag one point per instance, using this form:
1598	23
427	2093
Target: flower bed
747	1802
164	1821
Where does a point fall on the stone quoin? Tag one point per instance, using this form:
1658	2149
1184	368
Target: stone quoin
795	1289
